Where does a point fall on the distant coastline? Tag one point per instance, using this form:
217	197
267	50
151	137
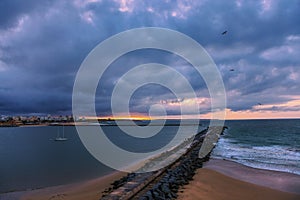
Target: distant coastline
37	124
97	123
34	121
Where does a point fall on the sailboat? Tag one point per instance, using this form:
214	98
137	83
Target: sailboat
59	138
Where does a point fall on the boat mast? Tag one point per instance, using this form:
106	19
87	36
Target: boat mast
57	132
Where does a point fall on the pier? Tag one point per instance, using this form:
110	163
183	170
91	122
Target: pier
166	182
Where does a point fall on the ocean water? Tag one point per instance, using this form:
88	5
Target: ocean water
30	158
263	144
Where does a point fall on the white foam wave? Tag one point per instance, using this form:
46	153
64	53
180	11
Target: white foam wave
275	157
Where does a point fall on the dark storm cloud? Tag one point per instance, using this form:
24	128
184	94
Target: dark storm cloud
42	44
12	10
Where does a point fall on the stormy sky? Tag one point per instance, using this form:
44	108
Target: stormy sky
43	43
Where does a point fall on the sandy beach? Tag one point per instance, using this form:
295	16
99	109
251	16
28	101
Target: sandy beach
220	180
286	182
90	190
217	180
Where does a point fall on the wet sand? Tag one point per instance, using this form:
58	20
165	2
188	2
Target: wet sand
286	182
220	180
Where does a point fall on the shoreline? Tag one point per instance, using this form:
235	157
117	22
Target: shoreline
287	184
226	170
86	187
222	179
282	181
89	189
212	185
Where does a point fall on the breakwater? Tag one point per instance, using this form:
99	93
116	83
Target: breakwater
166	182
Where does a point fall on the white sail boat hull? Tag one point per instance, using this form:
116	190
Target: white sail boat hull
61	139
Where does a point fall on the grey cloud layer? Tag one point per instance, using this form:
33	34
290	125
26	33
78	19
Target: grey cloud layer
42	44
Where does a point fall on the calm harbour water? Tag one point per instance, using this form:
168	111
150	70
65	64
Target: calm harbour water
29	158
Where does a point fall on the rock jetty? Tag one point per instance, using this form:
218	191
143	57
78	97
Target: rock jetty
164	183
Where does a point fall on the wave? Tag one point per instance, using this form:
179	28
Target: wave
272	157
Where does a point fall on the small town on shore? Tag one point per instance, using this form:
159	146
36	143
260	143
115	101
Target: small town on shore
14	121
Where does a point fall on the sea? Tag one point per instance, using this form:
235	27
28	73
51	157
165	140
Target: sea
31	159
264	144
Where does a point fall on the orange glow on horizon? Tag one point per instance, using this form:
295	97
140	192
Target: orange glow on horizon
289	110
230	115
250	114
121	117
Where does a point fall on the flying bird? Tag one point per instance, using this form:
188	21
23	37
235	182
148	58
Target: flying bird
224	32
231	70
259	104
